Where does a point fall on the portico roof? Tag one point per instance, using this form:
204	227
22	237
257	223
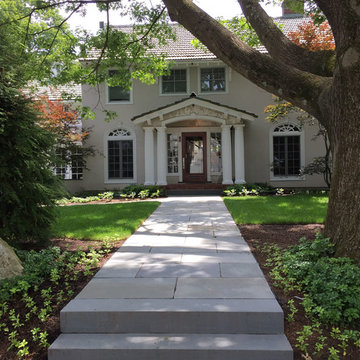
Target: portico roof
194	106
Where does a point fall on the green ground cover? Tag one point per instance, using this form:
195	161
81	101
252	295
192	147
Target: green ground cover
100	222
291	209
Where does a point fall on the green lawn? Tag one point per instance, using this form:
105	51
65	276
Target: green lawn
98	222
292	209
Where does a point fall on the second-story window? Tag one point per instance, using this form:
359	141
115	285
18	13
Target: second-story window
212	80
175	83
117	94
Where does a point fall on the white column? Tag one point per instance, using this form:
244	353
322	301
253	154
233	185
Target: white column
149	156
239	155
226	154
161	156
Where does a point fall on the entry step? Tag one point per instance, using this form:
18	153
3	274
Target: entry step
170	347
214	316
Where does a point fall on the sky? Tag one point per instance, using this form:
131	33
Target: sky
216	8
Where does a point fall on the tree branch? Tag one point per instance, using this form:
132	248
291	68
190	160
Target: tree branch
58	30
300	88
57	5
280	47
344	20
147	31
98	62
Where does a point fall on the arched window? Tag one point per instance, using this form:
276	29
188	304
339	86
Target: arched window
286	150
120	156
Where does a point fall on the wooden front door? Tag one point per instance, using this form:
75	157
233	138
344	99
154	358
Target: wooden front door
194	157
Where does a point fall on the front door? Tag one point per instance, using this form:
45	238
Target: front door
194	157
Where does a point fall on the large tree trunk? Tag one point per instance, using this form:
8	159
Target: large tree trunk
333	97
343	217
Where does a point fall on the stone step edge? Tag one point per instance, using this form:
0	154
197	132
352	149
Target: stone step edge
173	305
174	316
172	342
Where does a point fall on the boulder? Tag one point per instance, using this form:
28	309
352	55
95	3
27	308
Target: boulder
10	265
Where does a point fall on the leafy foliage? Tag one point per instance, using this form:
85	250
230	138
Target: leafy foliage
28	187
331	285
239	26
249	189
32	42
60	119
50	279
142	191
63	121
312	36
44	48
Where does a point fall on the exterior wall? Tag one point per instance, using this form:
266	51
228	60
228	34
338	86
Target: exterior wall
240	94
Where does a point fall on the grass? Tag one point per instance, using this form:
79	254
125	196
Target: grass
292	209
100	222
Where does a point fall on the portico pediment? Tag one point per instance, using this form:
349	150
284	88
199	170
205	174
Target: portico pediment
194	108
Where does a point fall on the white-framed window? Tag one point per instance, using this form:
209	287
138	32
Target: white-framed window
213	80
175	83
173	153
215	153
286	151
120	156
117	94
71	167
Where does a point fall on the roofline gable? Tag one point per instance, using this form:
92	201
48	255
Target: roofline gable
193	100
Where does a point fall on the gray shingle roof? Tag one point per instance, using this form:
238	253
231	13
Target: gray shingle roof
60	92
183	50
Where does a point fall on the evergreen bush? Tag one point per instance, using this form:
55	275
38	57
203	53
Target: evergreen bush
28	188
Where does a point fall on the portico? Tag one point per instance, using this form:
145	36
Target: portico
193	140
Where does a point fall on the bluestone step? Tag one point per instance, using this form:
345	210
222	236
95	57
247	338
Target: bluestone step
170	347
217	316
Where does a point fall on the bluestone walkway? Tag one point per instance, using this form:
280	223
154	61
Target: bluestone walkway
184	286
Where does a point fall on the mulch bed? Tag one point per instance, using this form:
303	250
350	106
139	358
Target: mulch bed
52	324
285	236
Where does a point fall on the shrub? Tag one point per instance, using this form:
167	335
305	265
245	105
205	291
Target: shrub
108	196
331	285
28	187
129	192
249	189
142	191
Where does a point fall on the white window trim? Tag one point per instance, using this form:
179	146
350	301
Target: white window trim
175	93
227	82
68	170
106	165
124	102
209	149
302	150
176	133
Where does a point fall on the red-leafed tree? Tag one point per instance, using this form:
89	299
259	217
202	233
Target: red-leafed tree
312	36
62	120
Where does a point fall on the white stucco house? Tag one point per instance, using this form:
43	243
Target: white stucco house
203	123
